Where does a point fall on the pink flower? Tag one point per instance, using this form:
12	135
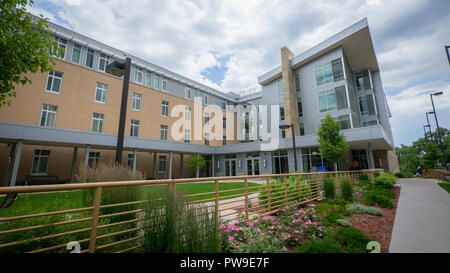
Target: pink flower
230	238
296	239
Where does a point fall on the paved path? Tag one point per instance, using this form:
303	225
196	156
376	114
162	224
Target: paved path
422	222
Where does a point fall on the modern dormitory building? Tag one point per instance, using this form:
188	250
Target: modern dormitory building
70	116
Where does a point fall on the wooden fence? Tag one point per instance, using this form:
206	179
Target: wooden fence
95	231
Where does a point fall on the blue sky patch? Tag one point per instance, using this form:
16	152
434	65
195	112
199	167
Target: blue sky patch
216	73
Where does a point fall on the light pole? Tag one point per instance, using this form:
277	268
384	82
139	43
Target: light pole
448	54
428	125
437	125
118	69
284	127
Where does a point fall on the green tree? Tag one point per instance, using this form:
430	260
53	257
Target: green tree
332	145
196	162
25	43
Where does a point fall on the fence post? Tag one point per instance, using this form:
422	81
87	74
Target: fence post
285	190
269	208
95	213
246	197
216	189
299	188
309	186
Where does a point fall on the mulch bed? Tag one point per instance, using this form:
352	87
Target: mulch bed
378	227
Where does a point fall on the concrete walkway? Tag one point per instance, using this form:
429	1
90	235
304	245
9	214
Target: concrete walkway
422	222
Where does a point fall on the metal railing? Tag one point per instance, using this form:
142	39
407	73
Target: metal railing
94	230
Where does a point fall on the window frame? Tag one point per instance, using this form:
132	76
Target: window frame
46	115
134	127
105	58
164	163
100	120
134	101
39	161
187	132
138	72
164	131
103	88
79	56
51	75
164	108
87	58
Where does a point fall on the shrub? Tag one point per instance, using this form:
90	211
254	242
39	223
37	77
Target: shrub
359	209
330	213
325	245
363	176
385	180
343	222
347	190
376	174
277	190
328	188
339	202
380	196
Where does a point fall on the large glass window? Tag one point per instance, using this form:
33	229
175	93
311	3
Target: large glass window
40	162
138	75
361	157
90	58
48	115
165	108
137	99
103	62
369	123
333	99
366	105
362	80
343	120
280	162
162	164
76	53
97	122
338	73
54	80
163	135
134	130
324	74
100	92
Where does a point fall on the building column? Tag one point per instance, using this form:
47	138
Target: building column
16	161
370	156
10	165
212	166
154	165
289	94
74	164
134	159
86	161
181	165
170	165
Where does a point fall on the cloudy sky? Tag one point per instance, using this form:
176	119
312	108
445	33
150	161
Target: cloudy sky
228	44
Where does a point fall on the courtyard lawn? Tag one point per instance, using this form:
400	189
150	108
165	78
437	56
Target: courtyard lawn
445	186
44	202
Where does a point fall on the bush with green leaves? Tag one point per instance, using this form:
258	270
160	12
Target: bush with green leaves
343	222
343	240
346	189
295	185
363	176
360	209
385	180
328	188
379	196
330	212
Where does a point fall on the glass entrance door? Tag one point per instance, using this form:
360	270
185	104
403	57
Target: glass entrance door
252	166
230	167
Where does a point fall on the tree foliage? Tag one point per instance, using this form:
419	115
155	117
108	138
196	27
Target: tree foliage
332	144
424	151
25	43
196	162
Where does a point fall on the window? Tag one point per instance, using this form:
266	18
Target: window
187	114
54	80
90	58
165	108
163	135
333	99
62	44
137	99
97	122
188	93
224	105
224	123
134	130
297	82
165	85
224	140
103	62
148	79
282	111
162	164
197	93
206	118
301	127
299	107
100	92
324	74
187	136
40	162
93	159
280	88
48	115
138	74
283	133
366	105
76	53
205	99
362	80
370	123
338	73
206	138
344	121
157	82
130	160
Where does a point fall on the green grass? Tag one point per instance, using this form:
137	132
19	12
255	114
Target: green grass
44	202
446	186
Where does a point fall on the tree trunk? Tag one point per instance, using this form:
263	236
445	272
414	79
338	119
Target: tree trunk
197	172
335	166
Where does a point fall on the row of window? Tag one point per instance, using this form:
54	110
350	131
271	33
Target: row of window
159	83
328	72
41	159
